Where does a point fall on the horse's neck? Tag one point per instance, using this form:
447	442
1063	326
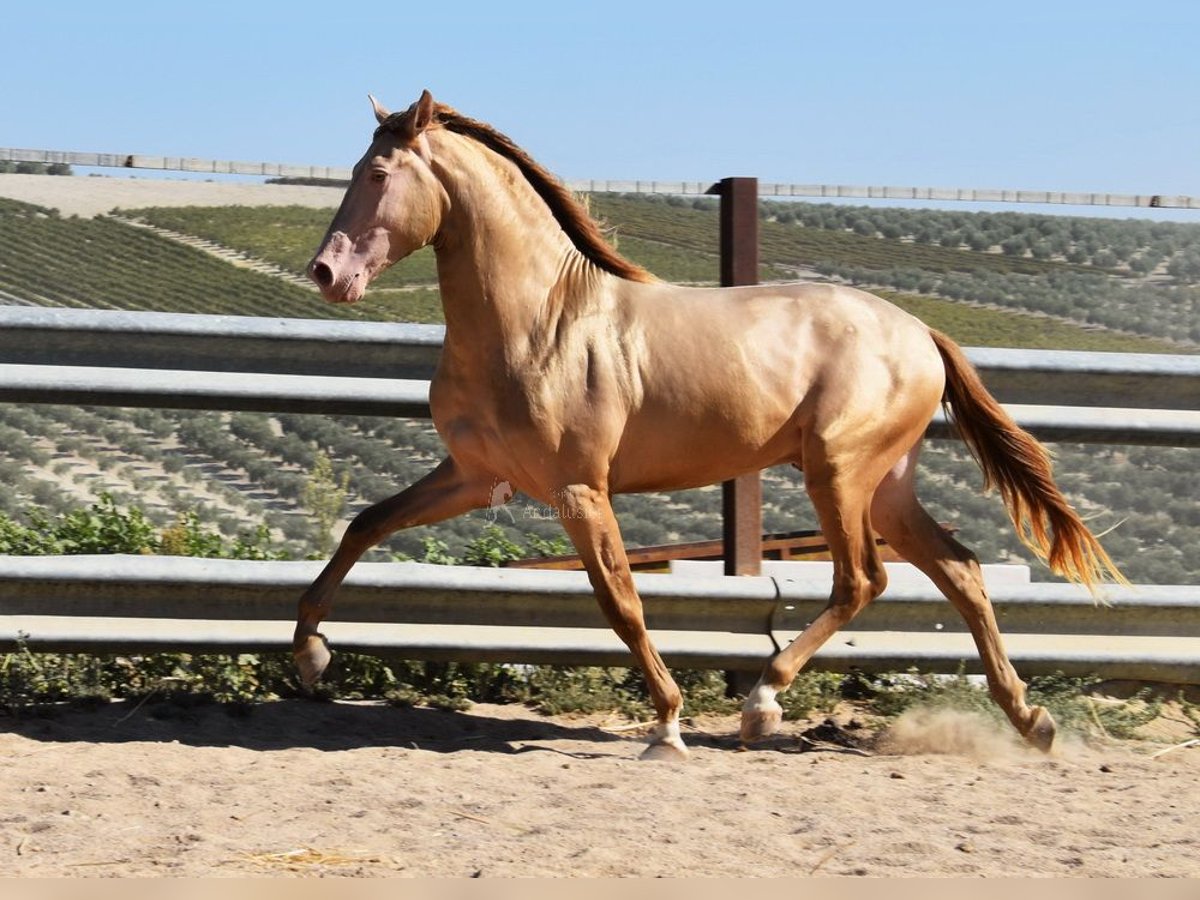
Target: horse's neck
500	251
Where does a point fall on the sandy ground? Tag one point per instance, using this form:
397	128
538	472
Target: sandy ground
92	196
307	788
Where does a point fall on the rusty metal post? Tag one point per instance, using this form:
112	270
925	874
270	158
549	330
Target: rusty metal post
742	497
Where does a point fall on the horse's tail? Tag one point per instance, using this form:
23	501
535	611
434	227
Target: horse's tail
1019	466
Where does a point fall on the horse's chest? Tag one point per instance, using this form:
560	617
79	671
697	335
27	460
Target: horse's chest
487	421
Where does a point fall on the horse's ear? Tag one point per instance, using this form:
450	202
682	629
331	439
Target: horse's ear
422	113
381	112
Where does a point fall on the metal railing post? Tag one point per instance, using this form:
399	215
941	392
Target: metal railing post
741	498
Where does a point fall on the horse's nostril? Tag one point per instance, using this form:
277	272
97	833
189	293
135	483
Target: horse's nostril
322	274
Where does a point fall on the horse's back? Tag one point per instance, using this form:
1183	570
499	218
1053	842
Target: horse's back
785	341
733	379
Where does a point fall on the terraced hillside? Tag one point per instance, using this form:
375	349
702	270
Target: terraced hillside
287	236
677	239
242	469
105	263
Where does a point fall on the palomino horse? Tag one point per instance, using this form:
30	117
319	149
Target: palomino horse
572	374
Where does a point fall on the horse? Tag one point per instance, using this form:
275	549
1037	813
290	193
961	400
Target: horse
572	374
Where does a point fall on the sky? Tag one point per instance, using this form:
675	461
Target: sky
1068	96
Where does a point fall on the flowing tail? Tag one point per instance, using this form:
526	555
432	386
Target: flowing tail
1014	462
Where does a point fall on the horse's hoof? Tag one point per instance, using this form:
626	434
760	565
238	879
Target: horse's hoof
1041	733
312	657
761	722
666	751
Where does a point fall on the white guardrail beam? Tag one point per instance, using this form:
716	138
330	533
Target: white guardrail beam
257	344
186	341
145	603
232	391
140	604
173	389
103	357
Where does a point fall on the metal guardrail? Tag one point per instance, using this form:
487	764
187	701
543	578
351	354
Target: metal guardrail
171	163
255	392
100	357
234	391
140	604
765	189
186	341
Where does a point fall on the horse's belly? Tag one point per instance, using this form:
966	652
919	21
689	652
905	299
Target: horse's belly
674	455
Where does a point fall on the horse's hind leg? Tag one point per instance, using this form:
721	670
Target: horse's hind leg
840	493
443	493
915	535
587	517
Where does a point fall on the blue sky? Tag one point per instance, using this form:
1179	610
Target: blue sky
1069	96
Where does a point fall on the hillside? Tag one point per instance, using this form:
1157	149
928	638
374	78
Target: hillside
242	469
677	241
107	263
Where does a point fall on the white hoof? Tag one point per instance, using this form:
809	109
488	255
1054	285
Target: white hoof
665	744
761	715
312	658
664	752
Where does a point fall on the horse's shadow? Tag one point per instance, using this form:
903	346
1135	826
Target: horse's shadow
288	724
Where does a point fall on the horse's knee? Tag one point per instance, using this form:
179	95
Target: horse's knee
854	589
365	526
877	580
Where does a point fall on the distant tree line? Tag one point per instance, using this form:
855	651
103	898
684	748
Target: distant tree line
1139	246
307	181
8	167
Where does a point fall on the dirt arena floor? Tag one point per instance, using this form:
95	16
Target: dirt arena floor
343	789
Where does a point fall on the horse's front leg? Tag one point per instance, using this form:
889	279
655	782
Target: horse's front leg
442	494
588	519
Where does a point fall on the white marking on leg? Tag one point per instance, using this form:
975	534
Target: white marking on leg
667	733
761	699
761	715
665	743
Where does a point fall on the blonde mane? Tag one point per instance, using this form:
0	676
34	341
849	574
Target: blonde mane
570	214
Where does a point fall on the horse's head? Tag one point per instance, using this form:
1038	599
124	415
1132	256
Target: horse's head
394	205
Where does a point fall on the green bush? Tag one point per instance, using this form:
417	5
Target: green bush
104	527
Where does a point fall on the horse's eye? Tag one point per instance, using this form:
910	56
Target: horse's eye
378	175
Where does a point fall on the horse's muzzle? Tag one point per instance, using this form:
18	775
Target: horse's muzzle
336	271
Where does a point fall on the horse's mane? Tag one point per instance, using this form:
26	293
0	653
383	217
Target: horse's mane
570	214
